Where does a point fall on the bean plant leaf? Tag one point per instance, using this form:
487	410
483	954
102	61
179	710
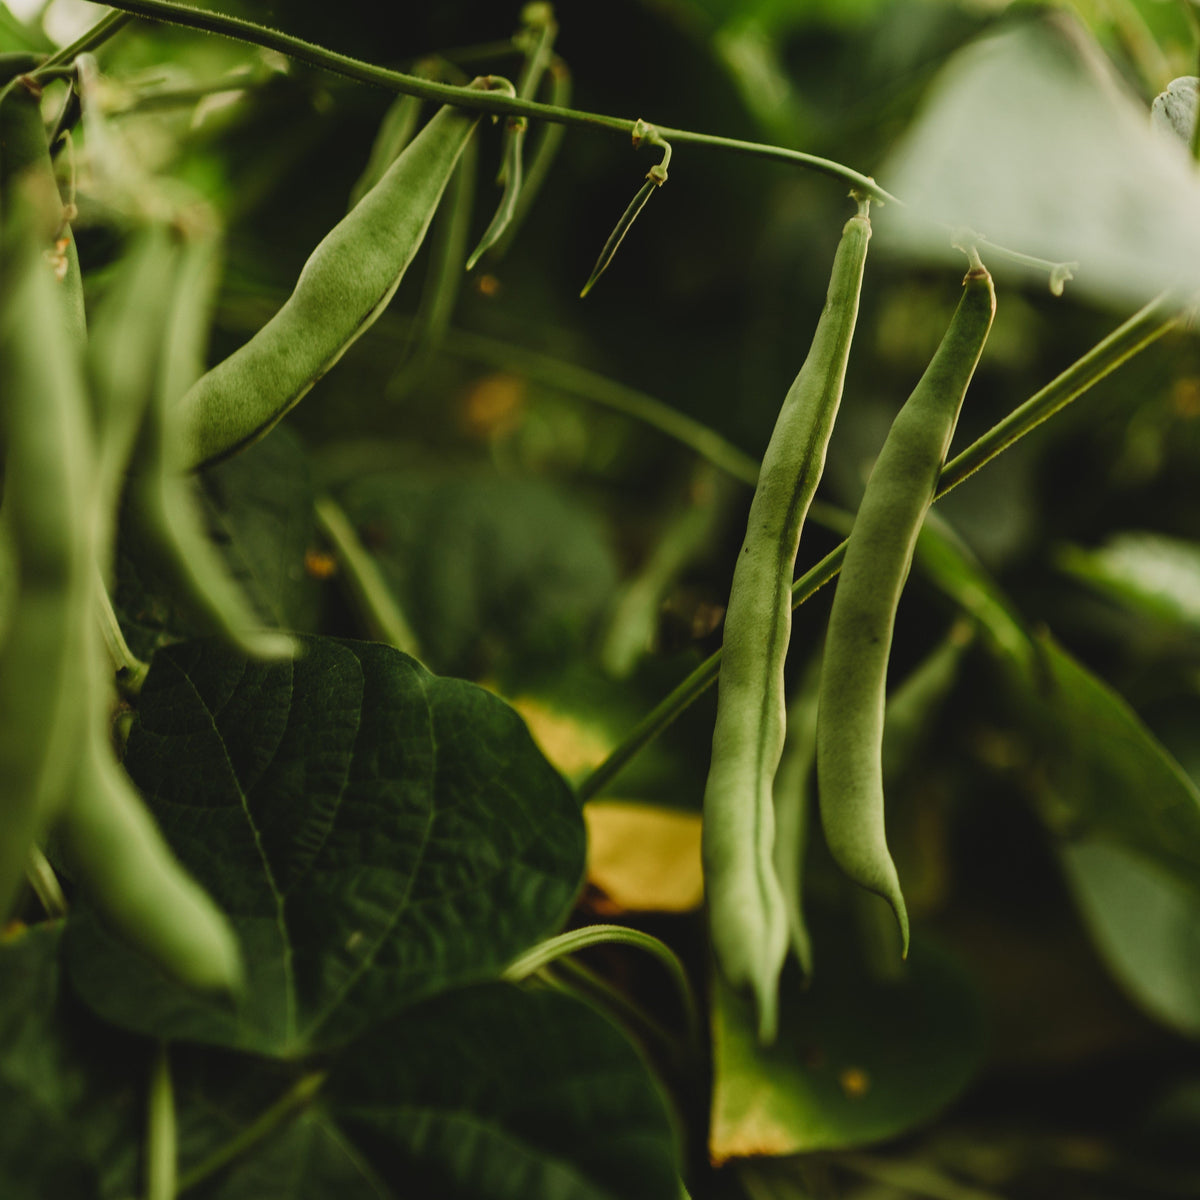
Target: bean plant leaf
1029	138
1102	773
306	1156
1150	574
376	834
69	1088
259	506
488	569
1145	921
309	1159
859	1058
510	1094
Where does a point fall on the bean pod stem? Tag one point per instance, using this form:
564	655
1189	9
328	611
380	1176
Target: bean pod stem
878	557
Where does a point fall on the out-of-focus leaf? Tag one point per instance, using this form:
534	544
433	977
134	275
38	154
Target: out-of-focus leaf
1145	922
858	1059
509	1094
69	1088
913	706
1151	574
375	833
306	1157
644	859
487	568
1102	773
17	36
1029	139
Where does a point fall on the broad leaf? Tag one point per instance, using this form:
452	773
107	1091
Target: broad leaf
304	1156
1145	923
506	1094
858	1058
376	833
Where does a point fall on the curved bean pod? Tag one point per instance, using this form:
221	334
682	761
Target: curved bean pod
747	911
159	494
343	288
125	867
25	164
47	515
878	556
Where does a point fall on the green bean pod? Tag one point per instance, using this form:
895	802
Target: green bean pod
47	514
747	911
345	285
159	494
25	164
126	869
793	796
878	556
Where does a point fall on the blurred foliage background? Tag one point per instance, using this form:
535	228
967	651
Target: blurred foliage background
512	509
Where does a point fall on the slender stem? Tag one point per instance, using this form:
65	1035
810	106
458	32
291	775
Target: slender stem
383	614
575	940
601	390
99	33
1146	326
1143	328
587	984
824	166
297	1097
161	1153
41	878
131	671
491	102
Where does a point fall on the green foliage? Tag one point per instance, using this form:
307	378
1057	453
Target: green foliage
388	833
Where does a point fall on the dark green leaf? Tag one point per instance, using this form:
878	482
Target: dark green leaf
487	568
70	1090
858	1058
376	833
509	1094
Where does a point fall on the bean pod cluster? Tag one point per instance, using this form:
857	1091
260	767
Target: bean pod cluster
119	416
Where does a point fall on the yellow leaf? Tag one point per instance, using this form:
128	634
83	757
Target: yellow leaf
644	859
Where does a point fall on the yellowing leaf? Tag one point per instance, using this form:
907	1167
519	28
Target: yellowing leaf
569	743
644	859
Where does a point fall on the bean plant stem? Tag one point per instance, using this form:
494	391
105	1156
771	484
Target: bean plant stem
291	1102
40	876
572	978
161	1154
368	586
491	102
88	41
1144	327
590	385
131	671
575	940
